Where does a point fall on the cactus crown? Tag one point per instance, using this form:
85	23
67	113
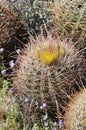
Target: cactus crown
49	53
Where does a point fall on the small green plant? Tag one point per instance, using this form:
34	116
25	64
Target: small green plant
10	117
46	124
2	95
75	117
13	118
45	74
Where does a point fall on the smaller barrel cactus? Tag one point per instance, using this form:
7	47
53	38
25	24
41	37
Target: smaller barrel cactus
75	117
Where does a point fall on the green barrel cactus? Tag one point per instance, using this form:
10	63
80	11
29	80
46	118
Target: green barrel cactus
10	22
69	18
75	117
45	74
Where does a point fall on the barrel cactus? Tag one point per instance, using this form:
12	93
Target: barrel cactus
45	74
75	117
69	18
10	22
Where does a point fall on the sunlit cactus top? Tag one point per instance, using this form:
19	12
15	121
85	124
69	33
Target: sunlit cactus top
48	53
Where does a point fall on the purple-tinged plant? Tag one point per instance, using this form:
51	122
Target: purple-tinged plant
36	103
27	99
54	123
11	63
43	106
54	128
1	50
18	51
14	99
3	72
46	123
45	117
11	91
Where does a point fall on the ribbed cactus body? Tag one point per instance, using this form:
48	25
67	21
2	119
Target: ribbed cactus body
42	84
75	117
69	18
